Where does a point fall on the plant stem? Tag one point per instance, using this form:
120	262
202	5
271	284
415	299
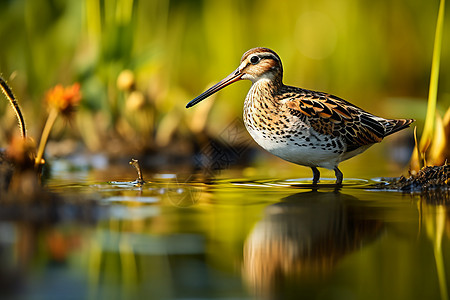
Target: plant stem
15	105
45	134
432	94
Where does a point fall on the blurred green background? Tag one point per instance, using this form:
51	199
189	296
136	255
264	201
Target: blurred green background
375	54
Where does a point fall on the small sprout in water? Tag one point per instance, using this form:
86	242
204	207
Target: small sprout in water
140	180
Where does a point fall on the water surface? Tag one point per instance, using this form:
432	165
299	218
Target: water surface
179	237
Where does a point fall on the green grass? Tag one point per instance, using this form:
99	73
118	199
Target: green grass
430	120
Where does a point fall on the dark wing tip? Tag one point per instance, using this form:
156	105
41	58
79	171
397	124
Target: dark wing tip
397	125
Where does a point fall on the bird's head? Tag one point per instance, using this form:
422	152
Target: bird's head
256	64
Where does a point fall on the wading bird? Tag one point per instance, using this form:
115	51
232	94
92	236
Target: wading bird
308	128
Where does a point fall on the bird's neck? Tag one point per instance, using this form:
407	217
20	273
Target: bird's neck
260	104
263	92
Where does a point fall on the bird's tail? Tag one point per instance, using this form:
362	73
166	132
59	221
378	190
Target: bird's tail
393	126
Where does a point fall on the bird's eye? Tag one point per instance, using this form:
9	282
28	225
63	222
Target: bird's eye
254	59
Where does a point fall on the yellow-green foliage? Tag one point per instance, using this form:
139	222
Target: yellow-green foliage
433	148
364	51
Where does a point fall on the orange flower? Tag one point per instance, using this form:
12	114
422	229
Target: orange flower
64	99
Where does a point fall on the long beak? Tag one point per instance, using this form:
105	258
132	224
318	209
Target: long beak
233	77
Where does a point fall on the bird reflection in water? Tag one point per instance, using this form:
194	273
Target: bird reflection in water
303	237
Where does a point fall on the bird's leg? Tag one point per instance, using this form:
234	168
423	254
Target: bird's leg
339	176
316	175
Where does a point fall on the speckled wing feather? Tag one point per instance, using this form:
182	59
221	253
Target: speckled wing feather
333	116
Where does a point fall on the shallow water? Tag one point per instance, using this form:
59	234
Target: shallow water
178	237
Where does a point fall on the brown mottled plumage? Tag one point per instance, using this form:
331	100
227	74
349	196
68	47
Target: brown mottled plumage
305	127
